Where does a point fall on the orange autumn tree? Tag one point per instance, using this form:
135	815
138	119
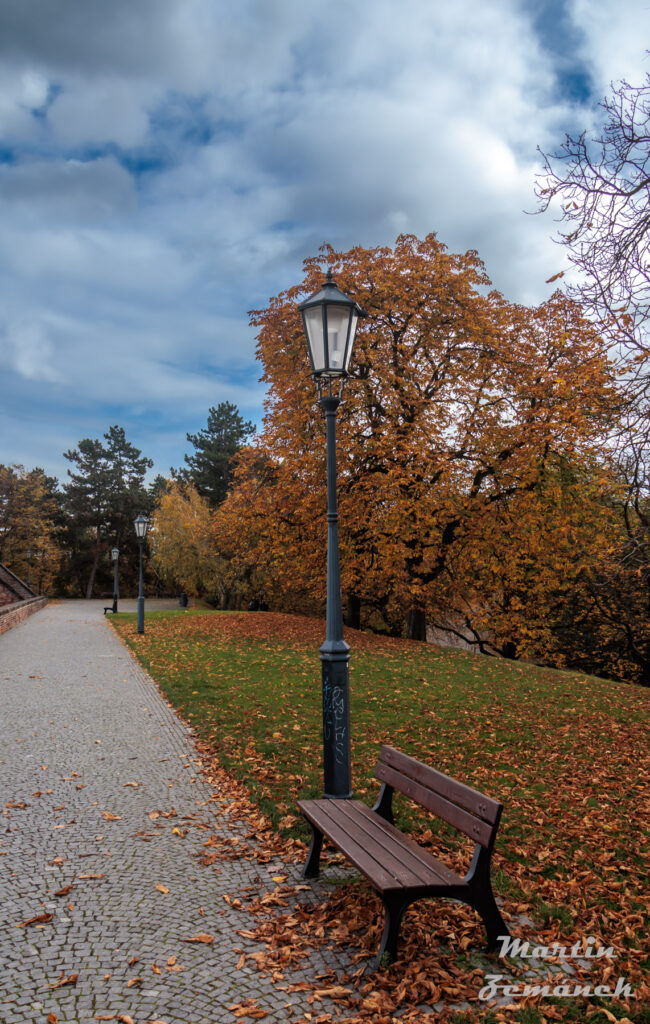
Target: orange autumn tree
458	406
182	547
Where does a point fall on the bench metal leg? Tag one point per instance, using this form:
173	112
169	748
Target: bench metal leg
482	898
485	904
312	867
395	908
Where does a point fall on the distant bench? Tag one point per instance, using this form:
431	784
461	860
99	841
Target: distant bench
397	867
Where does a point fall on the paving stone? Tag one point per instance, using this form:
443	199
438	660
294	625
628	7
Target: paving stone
81	718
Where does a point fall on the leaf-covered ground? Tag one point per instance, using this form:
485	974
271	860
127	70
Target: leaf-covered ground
565	753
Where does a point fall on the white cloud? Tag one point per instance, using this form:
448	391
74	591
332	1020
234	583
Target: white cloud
27	349
193	152
109	110
617	38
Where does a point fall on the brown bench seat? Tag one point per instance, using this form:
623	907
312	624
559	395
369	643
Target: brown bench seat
396	866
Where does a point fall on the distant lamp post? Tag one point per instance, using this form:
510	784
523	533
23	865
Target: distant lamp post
141	526
115	554
330	322
29	567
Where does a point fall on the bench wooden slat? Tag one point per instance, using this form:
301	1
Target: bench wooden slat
446	876
408	871
380	873
457	792
480	831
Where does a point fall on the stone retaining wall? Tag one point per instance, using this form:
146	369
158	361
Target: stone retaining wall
12	614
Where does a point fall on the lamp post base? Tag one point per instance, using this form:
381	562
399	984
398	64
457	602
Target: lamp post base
141	615
336	720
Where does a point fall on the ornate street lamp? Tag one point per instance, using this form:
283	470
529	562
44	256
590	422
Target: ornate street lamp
141	526
330	322
115	554
29	567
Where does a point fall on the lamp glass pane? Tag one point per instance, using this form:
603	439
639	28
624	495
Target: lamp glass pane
337	334
353	330
313	319
141	527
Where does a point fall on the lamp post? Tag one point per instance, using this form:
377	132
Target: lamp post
330	322
115	554
141	526
29	567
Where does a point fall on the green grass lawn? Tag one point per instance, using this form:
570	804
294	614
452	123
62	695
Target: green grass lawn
566	754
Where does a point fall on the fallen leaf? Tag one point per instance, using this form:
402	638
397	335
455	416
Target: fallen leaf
200	938
104	1016
133	981
91	876
133	960
52	1018
155	968
134	785
65	890
333	991
109	816
39	919
248	1008
70	980
125	1019
171	961
162	888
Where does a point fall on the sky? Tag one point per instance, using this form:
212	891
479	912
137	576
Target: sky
166	166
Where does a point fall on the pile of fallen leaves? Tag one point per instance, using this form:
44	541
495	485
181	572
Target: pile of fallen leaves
441	956
567	756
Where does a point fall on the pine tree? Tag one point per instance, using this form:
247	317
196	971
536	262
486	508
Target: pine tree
209	468
104	495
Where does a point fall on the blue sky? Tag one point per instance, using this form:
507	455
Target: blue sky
166	165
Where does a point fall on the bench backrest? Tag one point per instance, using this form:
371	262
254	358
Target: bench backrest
459	805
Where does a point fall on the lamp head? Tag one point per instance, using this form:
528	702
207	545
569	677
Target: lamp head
141	526
330	322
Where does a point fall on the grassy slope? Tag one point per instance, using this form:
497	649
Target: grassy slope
565	753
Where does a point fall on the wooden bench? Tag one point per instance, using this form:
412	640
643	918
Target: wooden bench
396	866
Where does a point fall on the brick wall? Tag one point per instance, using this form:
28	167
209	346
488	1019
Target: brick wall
11	615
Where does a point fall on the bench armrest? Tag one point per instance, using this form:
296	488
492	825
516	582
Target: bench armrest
384	805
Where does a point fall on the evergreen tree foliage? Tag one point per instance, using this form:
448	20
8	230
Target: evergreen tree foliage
104	495
209	467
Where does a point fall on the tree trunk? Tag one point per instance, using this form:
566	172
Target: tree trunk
509	649
91	578
416	624
353	617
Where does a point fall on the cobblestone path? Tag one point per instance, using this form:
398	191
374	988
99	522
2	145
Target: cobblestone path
88	752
